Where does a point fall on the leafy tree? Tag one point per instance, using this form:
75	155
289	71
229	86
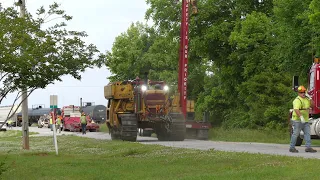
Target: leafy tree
128	56
242	55
33	57
294	36
314	19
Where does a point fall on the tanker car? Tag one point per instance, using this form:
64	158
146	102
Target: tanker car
35	113
97	113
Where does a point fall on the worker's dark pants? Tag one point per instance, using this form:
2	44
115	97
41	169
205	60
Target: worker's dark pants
83	127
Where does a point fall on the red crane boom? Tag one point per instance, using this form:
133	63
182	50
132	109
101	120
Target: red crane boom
183	56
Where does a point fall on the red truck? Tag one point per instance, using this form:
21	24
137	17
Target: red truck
71	119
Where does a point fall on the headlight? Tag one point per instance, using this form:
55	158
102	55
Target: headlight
143	87
166	88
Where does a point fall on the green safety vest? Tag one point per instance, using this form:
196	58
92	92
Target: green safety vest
303	104
10	122
83	120
50	120
58	121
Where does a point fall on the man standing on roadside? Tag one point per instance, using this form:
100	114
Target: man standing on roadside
58	126
300	120
83	120
10	124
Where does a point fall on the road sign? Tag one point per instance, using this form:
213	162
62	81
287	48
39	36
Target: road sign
53	106
53	101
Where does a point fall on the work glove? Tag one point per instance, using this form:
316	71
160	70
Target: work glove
302	119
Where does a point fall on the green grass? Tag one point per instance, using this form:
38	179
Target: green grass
248	135
103	127
84	158
13	133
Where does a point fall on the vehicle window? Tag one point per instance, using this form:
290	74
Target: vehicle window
311	85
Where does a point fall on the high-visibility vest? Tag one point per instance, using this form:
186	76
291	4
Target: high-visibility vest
50	120
83	120
58	121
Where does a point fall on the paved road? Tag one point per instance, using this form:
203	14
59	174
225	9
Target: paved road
263	148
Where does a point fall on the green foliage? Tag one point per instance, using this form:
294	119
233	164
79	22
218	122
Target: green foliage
242	55
294	47
3	169
314	19
266	97
133	54
33	56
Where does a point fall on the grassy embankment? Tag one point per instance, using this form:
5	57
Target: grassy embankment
84	158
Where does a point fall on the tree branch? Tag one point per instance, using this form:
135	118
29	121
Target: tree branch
4	94
15	111
52	19
3	76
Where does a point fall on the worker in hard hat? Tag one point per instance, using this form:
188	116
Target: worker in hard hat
10	122
83	121
300	120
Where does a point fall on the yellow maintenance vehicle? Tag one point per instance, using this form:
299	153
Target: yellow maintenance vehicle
143	104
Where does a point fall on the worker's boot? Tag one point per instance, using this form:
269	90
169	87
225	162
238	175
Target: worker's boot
293	150
311	150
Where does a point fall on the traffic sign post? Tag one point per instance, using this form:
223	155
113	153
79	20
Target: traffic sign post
53	101
53	106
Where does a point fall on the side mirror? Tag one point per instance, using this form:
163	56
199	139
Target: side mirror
295	83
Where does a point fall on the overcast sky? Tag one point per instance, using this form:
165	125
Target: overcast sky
103	20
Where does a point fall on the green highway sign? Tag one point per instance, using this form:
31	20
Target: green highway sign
53	106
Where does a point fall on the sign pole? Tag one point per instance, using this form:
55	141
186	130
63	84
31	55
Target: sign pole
53	105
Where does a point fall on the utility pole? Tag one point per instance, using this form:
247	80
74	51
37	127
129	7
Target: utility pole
24	96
